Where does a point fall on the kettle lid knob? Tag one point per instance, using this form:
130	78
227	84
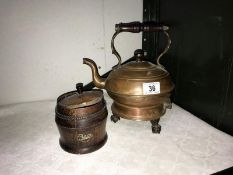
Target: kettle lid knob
79	87
139	54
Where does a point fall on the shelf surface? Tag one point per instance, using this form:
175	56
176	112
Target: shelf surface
186	145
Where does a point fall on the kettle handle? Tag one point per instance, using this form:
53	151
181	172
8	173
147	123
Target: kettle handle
136	27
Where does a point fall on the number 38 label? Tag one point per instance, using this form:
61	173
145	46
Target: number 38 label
151	88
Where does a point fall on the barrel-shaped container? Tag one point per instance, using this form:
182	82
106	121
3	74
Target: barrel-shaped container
81	121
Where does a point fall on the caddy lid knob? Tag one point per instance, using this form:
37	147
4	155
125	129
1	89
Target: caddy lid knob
79	87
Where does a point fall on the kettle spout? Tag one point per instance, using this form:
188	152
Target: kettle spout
97	80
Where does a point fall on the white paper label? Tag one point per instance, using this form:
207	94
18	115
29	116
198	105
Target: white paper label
151	88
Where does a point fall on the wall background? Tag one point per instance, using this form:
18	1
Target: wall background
42	44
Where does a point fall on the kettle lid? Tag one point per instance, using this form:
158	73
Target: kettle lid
141	68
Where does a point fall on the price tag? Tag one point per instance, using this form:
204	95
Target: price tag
151	88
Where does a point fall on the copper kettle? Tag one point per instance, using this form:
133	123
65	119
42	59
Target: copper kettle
140	89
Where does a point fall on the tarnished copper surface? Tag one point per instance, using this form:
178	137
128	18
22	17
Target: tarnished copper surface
136	113
125	82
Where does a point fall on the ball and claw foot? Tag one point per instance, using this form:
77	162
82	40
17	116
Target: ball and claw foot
156	128
115	118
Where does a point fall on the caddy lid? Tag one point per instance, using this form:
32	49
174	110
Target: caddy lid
80	98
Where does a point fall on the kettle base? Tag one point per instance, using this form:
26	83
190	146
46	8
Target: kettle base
150	113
